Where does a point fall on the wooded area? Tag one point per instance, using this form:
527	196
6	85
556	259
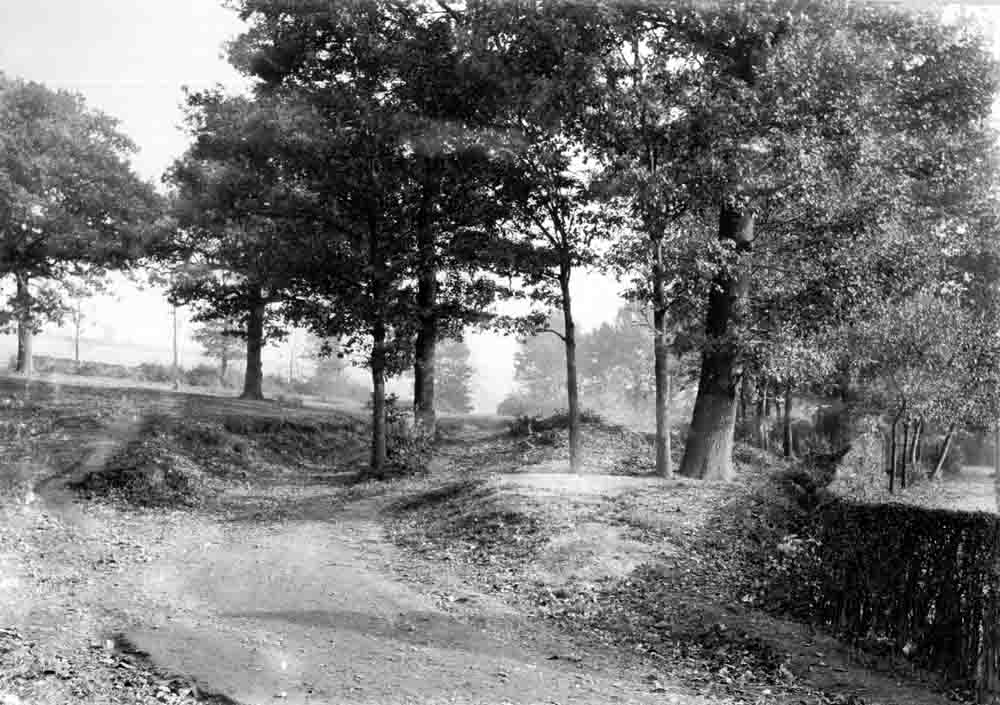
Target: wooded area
798	198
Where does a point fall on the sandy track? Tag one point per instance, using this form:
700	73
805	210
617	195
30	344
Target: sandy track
307	612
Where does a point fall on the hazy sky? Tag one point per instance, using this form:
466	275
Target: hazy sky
130	59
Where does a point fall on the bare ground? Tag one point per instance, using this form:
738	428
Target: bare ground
522	586
278	590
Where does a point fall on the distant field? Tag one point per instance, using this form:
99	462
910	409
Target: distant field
122	353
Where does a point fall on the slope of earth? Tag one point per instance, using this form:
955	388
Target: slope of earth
265	577
670	571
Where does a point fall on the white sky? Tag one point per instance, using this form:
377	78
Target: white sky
130	59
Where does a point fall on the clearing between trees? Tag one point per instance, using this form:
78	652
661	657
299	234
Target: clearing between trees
180	548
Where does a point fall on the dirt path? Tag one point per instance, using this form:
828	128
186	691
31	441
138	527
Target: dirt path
307	612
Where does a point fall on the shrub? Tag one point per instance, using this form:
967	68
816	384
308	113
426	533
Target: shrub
924	583
559	421
407	453
202	376
154	372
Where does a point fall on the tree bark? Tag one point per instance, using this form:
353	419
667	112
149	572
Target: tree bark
762	440
915	455
378	451
892	454
424	368
709	449
223	367
253	378
788	440
25	328
996	451
176	369
376	259
945	447
664	461
904	456
77	324
572	384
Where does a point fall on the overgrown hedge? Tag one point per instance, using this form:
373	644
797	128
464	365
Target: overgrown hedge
923	581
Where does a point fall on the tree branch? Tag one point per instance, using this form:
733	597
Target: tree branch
553	332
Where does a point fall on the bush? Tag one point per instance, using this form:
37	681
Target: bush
407	453
154	372
101	369
202	376
924	583
559	421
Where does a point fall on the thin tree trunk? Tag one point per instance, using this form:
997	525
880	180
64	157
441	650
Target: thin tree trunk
77	324
892	455
424	368
25	328
176	369
761	414
787	436
945	447
996	451
915	455
904	456
572	384
709	450
253	378
378	450
661	370
223	367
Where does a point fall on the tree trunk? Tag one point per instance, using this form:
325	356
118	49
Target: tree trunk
904	456
915	455
787	436
376	467
25	328
223	367
572	384
945	447
377	261
892	454
424	368
661	361
77	324
176	369
709	449
761	415
253	379
996	451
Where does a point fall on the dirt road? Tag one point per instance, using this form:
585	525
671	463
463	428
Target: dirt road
308	612
317	609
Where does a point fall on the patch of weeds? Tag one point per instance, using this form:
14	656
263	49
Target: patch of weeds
559	421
